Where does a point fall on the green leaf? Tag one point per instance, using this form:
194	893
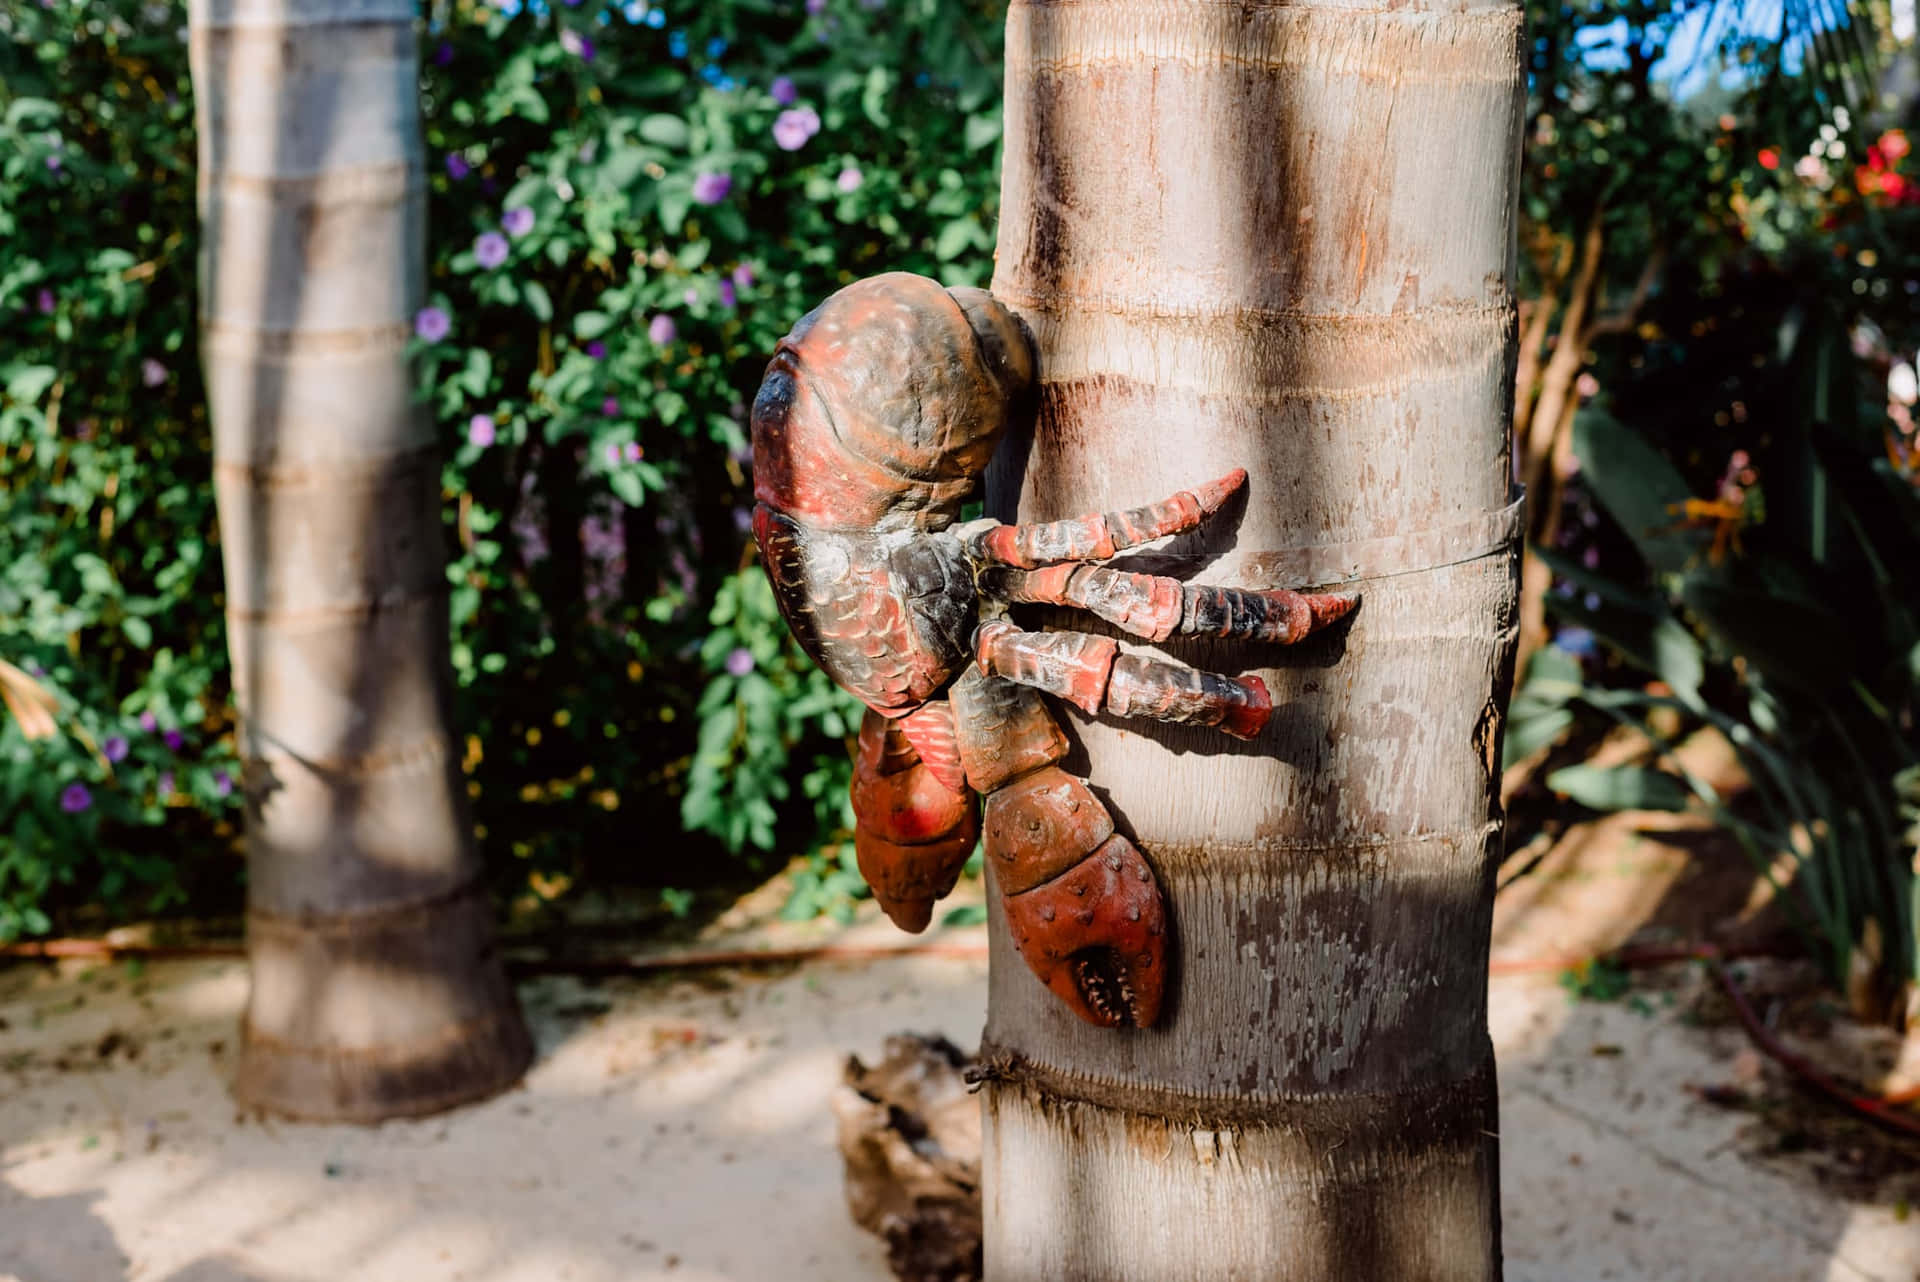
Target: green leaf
138	631
665	130
626	486
981	131
1638	487
965	915
537	301
591	325
1528	734
26	384
1620	788
955	239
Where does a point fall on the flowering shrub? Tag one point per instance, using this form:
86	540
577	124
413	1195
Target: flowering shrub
109	569
629	205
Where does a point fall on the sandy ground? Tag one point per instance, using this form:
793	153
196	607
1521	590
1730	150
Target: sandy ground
677	1128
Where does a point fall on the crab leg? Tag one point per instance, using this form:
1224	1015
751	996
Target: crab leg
912	831
1101	535
1083	908
1155	607
1091	673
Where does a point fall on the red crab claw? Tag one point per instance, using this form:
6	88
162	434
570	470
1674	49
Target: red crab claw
1082	906
912	833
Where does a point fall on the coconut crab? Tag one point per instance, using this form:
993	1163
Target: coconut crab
873	425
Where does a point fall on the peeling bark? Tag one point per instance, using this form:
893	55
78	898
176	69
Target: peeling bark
377	991
1278	237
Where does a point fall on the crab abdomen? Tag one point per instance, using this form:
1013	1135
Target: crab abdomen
889	619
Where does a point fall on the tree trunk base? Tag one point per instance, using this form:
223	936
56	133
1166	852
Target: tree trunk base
394	1013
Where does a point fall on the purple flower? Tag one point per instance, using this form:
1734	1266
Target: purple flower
74	798
457	166
849	179
490	249
816	6
222	783
711	188
518	221
164	784
114	748
45	302
783	90
743	276
597	350
53	163
480	430
727	295
173	740
152	372
148	722
610	407
1578	642
432	323
662	330
792	128
739	661
578	45
444	54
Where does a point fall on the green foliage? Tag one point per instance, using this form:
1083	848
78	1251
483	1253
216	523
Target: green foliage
109	576
673	189
1797	642
628	206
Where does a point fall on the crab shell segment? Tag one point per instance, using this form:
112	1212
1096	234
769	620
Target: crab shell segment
882	407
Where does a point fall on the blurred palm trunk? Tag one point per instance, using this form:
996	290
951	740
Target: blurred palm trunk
1277	236
377	988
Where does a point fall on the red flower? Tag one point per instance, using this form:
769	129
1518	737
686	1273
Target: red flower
1876	158
1769	158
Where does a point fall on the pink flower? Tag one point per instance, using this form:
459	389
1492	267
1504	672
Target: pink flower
662	330
849	179
711	188
490	249
610	407
480	430
743	276
432	323
152	372
739	661
45	302
518	221
792	128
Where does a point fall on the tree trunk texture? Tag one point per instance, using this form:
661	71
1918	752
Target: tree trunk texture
377	989
1278	236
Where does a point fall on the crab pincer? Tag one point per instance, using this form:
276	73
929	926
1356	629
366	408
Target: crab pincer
1082	906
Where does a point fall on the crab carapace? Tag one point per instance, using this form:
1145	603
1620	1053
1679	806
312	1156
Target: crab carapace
873	426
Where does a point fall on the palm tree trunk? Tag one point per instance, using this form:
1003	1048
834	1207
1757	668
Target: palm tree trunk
1278	236
377	989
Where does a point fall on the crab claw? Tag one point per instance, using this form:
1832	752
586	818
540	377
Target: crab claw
912	833
1082	906
1097	936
